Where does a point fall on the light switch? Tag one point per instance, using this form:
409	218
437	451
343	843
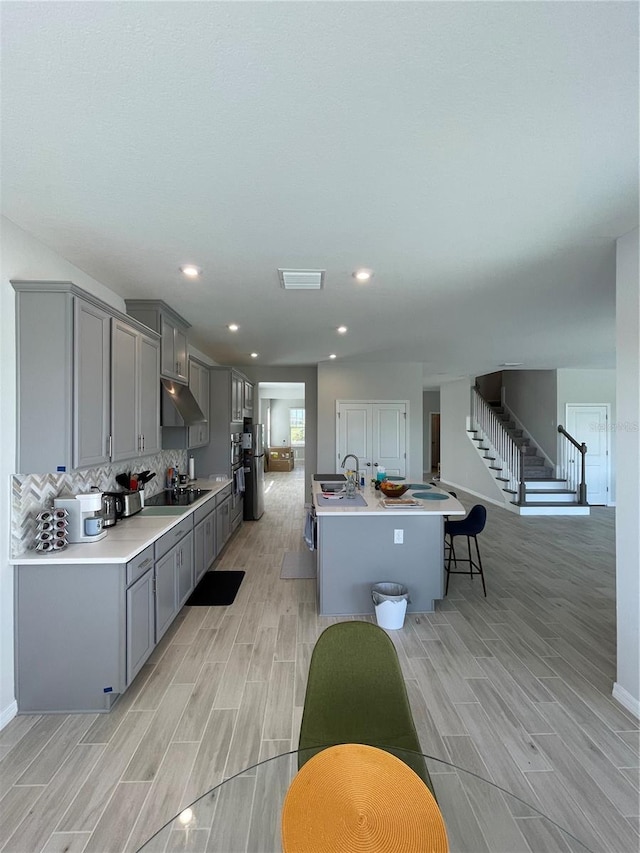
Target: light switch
398	537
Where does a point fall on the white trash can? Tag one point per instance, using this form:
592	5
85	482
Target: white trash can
390	600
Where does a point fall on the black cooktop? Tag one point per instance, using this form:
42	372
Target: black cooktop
176	497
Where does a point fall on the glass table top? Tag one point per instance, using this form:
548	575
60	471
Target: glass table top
243	813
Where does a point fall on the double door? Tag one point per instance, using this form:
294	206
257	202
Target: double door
375	432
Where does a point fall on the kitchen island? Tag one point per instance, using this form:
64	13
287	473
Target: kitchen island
361	542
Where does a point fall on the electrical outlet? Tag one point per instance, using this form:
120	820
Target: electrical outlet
398	537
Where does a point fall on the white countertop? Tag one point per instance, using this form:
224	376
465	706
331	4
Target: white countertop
124	540
449	506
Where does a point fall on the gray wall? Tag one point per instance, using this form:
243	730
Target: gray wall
430	404
531	395
402	381
490	386
627	686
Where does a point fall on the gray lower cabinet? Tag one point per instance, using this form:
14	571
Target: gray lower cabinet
140	623
70	637
83	631
223	523
204	542
237	511
174	573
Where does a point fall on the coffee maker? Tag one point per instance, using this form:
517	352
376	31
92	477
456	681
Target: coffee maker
85	516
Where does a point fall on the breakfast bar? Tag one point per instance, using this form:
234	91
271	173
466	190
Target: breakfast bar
369	539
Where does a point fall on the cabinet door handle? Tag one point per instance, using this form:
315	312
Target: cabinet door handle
110	446
145	563
143	442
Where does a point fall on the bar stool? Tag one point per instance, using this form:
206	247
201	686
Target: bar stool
469	526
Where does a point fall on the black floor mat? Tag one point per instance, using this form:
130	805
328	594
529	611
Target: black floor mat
216	589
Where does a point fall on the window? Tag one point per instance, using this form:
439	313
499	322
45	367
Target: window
296	426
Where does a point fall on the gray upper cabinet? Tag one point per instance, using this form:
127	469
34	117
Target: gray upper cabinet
149	399
135	394
226	407
63	378
172	329
198	434
247	400
91	377
237	396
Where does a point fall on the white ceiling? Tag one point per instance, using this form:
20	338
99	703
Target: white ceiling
480	157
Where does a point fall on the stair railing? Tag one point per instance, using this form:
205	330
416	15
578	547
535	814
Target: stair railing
572	455
509	454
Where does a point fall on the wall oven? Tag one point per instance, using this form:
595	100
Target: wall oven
236	449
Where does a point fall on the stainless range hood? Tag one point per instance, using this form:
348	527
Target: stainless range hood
178	398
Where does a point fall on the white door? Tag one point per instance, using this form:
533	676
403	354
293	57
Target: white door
590	424
375	432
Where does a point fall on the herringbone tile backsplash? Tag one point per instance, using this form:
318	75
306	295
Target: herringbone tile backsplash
31	493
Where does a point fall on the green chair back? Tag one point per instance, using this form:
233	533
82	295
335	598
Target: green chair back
356	694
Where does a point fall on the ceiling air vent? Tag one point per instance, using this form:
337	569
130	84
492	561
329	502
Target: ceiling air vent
301	279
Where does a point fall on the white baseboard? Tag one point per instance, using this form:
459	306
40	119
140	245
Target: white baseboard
626	700
7	714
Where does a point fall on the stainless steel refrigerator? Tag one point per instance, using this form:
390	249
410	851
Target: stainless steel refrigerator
253	444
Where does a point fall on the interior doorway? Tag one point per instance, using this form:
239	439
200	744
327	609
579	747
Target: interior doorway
281	408
590	424
435	442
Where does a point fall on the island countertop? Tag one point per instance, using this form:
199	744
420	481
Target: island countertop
444	504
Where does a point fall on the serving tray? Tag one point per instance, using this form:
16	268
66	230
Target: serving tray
389	503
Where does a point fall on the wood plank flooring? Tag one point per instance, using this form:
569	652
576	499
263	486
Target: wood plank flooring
515	687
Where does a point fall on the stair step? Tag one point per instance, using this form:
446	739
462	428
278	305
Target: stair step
546	482
550	503
546	491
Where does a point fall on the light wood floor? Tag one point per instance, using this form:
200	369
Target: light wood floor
516	687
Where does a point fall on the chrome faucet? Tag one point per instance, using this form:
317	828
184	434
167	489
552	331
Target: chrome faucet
353	456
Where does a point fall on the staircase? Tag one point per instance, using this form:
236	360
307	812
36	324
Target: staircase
544	493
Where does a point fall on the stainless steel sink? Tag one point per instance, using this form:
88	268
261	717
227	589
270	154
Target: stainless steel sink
333	487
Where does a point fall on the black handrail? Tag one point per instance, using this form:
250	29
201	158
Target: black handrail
582	448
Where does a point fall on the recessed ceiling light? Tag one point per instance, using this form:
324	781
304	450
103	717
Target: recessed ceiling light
363	275
254	355
333	355
341	330
233	327
191	270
